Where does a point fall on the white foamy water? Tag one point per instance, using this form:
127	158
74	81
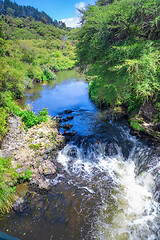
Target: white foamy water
127	209
135	212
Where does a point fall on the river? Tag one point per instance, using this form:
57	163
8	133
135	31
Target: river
107	185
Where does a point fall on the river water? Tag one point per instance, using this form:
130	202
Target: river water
107	186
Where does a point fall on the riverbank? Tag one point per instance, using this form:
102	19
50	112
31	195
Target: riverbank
32	151
143	123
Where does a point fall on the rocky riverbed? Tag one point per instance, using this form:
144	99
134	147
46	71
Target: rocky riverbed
35	149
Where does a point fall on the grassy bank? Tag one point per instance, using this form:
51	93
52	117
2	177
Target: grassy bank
9	178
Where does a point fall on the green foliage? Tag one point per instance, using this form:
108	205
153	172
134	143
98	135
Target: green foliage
120	42
31	52
27	54
7	175
11	80
30	118
35	147
8	179
135	124
6	101
3	123
6	197
13	9
47	75
25	177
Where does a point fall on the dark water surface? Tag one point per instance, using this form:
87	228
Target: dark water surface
107	186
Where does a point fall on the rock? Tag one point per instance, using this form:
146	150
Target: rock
67	139
68	111
47	168
21	170
64	119
72	152
158	150
58	119
67	118
5	153
49	150
116	114
45	157
148	111
70	134
156	127
110	149
67	126
32	149
40	184
18	206
43	185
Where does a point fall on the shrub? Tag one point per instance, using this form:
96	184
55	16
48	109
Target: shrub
30	118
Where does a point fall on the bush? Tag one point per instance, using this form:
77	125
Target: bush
11	80
30	118
47	74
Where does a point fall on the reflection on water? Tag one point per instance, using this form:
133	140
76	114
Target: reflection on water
72	94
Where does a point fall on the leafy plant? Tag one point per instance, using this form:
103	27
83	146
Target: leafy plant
135	124
30	118
3	123
7	176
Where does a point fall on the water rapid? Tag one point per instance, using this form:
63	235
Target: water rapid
124	189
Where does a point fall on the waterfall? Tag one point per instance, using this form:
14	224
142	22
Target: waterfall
125	188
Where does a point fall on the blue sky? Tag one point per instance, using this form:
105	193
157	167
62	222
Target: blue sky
59	9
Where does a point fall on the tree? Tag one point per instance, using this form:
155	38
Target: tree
13	9
104	2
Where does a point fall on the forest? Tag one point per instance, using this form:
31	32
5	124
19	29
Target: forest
8	7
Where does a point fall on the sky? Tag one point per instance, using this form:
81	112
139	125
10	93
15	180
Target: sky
64	10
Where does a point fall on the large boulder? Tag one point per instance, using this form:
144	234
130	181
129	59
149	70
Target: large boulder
47	168
148	111
18	206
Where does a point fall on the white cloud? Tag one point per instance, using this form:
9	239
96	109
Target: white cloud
74	22
80	5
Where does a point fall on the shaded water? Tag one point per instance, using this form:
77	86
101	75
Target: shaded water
107	186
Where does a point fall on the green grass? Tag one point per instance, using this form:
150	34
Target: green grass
9	178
